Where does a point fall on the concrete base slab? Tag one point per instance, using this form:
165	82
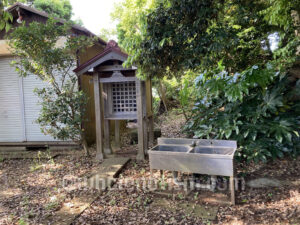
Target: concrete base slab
104	176
71	210
107	171
111	167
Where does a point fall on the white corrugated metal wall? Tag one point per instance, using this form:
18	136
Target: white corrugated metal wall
32	110
19	107
11	117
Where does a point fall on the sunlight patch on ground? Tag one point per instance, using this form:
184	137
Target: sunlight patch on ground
44	179
295	197
10	192
116	209
236	222
53	166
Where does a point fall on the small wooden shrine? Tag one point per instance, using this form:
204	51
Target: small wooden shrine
118	95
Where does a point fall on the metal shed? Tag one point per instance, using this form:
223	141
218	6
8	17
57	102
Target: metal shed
19	107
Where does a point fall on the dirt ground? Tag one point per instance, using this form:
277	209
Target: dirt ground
32	190
280	205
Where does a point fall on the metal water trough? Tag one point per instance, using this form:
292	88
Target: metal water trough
200	156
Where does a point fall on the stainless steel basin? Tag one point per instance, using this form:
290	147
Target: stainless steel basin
212	157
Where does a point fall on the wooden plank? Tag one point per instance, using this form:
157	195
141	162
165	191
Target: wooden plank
107	147
149	97
117	134
114	79
102	106
89	123
122	117
145	119
151	131
109	100
139	102
12	148
114	68
98	112
106	101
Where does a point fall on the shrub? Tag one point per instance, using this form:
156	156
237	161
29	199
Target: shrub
257	107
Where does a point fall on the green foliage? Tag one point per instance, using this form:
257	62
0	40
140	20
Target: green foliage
52	205
186	94
279	12
61	112
5	17
131	18
57	8
40	53
177	93
169	37
108	34
248	97
156	102
22	222
177	35
257	108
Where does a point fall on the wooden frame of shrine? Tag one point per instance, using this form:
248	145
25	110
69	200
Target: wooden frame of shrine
118	95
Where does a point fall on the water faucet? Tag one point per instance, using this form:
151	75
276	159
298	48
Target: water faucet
193	144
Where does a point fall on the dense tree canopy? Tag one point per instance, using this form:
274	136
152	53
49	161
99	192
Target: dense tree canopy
5	17
57	8
131	18
108	34
243	90
173	36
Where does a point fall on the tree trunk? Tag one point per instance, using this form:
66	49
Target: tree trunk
296	18
162	91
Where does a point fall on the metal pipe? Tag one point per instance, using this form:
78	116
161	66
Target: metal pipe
175	179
